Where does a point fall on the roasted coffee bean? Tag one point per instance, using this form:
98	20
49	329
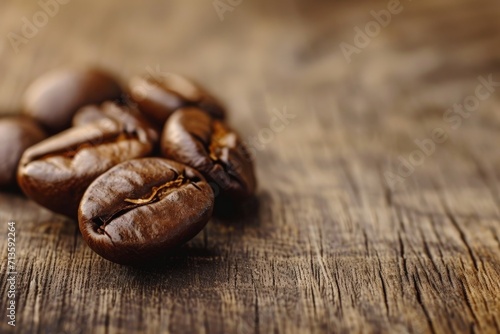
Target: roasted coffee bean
56	171
88	114
17	133
142	208
124	114
192	137
54	98
159	98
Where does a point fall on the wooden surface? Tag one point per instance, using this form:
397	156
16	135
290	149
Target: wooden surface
329	246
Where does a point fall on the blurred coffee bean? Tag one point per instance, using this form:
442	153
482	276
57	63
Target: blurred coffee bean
158	98
54	98
192	137
123	114
88	114
56	172
17	133
142	208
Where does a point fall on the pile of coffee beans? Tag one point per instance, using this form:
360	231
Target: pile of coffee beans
140	166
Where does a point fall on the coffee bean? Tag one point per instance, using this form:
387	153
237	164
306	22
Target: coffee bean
17	133
192	137
121	113
142	208
160	97
54	98
88	114
56	171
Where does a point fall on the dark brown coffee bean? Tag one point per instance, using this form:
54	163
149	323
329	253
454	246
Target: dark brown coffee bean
17	133
192	137
56	172
54	98
142	208
124	114
159	98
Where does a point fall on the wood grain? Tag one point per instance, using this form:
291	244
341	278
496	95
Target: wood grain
329	245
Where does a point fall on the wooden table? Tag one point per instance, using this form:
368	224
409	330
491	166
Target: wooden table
378	205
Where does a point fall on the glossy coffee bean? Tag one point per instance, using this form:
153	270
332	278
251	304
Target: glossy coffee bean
56	172
121	113
54	98
142	208
192	137
17	133
159	98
